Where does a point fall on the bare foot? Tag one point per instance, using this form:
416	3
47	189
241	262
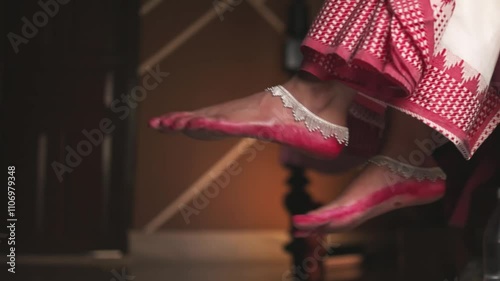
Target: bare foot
377	190
372	179
263	115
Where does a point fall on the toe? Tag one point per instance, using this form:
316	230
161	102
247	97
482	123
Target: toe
167	121
180	123
307	220
155	122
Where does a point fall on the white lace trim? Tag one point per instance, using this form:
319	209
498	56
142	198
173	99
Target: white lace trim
408	171
312	121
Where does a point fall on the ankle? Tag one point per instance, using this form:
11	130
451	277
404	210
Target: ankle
311	92
312	84
412	157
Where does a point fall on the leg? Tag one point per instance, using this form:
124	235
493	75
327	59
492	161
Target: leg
264	115
380	188
409	140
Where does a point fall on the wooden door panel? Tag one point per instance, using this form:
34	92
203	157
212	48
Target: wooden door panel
53	90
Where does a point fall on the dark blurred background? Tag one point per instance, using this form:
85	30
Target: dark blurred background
79	82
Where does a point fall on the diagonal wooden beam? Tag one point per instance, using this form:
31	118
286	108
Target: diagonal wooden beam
198	186
149	6
268	15
180	39
204	181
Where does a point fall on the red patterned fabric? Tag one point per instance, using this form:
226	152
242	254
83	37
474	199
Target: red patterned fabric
389	50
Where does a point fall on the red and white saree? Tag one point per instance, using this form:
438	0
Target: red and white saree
432	59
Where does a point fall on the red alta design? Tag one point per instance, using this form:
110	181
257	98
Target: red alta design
295	135
405	194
